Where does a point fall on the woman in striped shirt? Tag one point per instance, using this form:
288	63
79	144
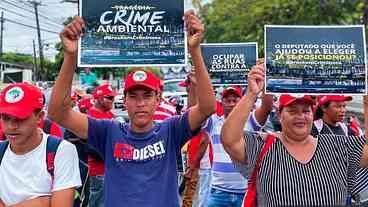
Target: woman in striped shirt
298	169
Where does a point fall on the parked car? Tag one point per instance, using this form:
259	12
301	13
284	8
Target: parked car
173	90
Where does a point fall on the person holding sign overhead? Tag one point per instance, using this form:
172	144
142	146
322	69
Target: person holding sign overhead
292	168
140	157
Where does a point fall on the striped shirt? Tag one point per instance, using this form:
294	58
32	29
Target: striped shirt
323	181
163	111
320	127
225	176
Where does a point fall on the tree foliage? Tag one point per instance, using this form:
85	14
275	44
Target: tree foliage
244	20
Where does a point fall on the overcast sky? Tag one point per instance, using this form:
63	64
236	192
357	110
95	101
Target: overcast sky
18	38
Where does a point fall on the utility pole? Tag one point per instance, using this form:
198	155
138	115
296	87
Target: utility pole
35	69
41	71
1	33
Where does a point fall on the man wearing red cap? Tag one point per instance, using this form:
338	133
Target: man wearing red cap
228	186
24	176
330	116
140	157
103	96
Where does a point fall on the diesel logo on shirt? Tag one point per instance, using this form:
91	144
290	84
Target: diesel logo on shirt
126	152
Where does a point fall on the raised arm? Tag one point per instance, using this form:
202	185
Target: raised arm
206	104
264	110
232	135
192	96
60	109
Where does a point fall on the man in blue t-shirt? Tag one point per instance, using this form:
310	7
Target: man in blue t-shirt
140	157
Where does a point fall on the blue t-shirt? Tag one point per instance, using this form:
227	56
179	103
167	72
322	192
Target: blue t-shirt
140	169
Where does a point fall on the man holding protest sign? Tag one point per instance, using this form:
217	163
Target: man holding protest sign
140	157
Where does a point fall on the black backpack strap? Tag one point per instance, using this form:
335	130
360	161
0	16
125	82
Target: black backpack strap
47	125
51	149
3	147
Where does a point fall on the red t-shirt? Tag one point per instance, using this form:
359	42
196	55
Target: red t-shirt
55	129
97	168
193	147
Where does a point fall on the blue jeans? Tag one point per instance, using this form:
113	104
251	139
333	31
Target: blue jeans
364	197
96	191
219	198
203	188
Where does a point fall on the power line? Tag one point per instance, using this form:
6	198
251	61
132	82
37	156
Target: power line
31	11
27	17
17	6
29	26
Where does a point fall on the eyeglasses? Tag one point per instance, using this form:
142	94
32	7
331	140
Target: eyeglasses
111	98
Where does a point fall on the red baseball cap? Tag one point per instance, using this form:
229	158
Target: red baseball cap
103	90
286	100
338	98
20	100
85	103
232	89
142	78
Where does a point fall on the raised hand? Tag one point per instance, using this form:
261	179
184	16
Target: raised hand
256	79
195	29
70	35
192	78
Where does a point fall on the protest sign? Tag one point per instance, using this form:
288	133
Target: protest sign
228	63
132	33
315	59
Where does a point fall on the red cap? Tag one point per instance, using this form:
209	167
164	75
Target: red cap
103	90
324	99
20	100
85	103
232	89
142	78
286	100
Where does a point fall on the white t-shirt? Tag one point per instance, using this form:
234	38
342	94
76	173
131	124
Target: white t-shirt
24	177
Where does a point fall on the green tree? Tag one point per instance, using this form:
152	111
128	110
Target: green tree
244	20
17	58
24	59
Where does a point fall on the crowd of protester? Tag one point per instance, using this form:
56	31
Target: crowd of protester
246	148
